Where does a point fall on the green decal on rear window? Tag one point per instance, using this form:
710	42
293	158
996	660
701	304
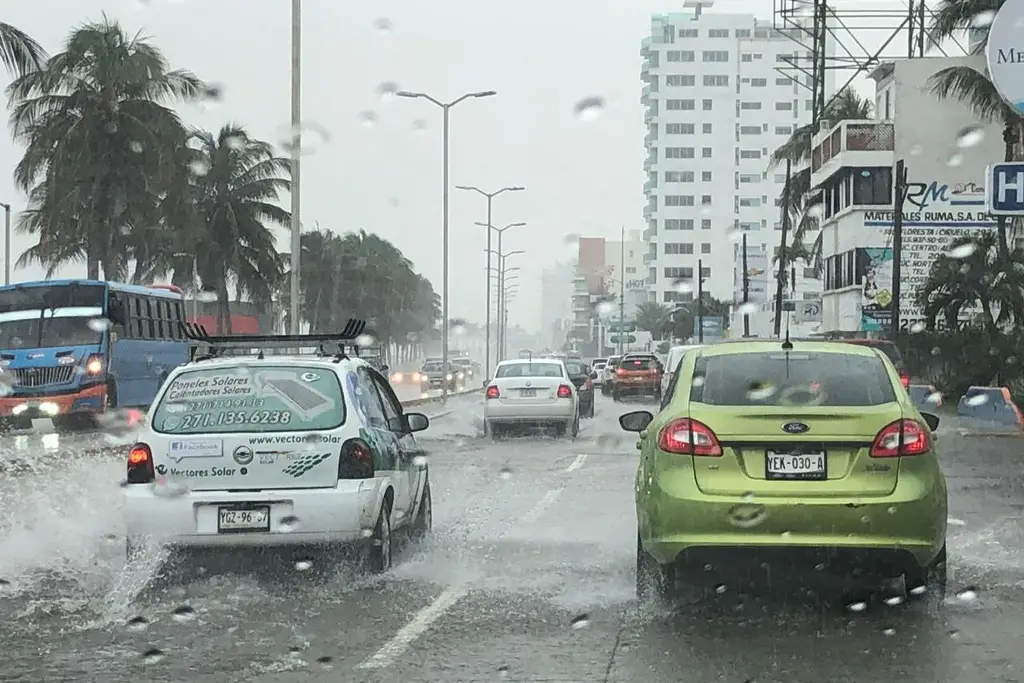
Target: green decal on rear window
246	398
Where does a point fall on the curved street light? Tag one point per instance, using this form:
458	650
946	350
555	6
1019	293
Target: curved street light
445	107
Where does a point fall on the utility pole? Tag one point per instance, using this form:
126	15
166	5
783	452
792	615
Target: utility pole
746	290
782	248
899	196
622	287
295	289
700	301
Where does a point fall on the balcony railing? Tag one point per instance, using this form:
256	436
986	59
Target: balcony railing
852	136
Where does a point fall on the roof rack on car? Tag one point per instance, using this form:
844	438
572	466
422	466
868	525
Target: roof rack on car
337	345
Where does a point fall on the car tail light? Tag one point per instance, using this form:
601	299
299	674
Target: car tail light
564	391
689	437
356	460
140	465
588	385
902	437
905	381
620	372
492	392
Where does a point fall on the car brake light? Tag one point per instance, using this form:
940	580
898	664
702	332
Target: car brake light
356	461
140	465
620	372
564	391
689	437
905	381
492	392
902	437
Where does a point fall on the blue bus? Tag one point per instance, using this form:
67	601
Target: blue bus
72	349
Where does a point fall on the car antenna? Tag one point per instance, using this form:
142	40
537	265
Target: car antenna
787	345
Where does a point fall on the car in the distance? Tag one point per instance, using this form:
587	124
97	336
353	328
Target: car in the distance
531	392
608	375
579	373
926	397
638	374
675	354
467	366
597	370
297	452
806	453
435	374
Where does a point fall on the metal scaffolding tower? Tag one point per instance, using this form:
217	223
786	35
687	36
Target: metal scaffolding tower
848	25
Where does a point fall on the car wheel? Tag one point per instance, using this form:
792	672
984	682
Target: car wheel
653	580
379	557
424	521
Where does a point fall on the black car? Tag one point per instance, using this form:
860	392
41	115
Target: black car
579	373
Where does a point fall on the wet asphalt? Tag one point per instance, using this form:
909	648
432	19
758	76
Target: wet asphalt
528	576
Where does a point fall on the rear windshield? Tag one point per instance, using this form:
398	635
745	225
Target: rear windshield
793	379
268	398
886	347
432	367
637	364
613	362
575	367
530	370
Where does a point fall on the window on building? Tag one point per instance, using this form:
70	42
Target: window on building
784	80
746	57
750	201
872	186
705	200
750	154
679	105
679	224
680	80
679	129
705	272
705	128
705	152
718	33
783	130
679	247
705	247
679	56
749	178
678	273
759	82
750	130
716	56
705	223
712	81
688	33
679	200
679	153
678	176
743	33
750	106
706	105
705	176
779	106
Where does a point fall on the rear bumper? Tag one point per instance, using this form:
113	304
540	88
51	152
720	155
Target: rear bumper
561	410
90	400
911	520
637	388
342	514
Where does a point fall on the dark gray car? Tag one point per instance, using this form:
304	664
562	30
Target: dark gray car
435	375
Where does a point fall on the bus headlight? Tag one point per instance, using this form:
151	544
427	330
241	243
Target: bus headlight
94	365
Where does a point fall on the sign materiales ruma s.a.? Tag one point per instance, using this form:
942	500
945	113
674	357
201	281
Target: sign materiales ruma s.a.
1005	53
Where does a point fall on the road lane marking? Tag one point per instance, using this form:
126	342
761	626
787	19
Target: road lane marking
542	505
416	627
577	463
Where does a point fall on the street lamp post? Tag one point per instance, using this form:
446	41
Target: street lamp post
487	323
296	144
500	231
508	295
7	243
445	107
501	286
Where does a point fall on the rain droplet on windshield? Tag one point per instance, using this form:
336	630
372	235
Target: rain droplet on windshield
605	308
153	655
682	286
760	391
368	119
365	340
734	235
387	91
183	613
307	137
955	160
969	136
858	606
917	327
288	523
325	662
505	472
303	565
99	324
383	26
589	108
234	142
581	621
137	624
961	250
748	308
207	295
199	167
977	400
135	146
419	461
419	125
889	631
983	19
968	594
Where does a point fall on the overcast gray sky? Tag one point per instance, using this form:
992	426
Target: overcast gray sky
583	177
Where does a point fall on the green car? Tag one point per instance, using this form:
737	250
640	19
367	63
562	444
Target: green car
809	454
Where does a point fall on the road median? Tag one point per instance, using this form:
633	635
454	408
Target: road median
428	400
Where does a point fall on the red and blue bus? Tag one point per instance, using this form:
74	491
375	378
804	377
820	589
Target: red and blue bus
73	349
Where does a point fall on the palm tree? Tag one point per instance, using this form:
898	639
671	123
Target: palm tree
99	146
19	52
973	87
236	182
651	317
984	279
847	105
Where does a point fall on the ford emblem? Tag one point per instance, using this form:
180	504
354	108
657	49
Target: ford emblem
795	428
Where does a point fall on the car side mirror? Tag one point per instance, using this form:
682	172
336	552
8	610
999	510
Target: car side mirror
636	421
416	422
931	420
385	370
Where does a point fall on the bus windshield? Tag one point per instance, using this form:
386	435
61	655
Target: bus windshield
18	331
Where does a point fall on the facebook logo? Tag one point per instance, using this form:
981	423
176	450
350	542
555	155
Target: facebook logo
1005	189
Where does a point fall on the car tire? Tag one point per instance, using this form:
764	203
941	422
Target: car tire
932	578
379	555
424	521
654	581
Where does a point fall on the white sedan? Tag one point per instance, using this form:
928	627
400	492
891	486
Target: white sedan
528	391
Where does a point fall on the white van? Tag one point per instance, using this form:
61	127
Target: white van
675	354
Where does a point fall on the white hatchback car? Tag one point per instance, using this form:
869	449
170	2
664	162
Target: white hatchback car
531	391
277	451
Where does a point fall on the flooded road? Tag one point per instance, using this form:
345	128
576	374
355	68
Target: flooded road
528	576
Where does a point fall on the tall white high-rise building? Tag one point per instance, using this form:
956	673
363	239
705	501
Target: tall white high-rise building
720	97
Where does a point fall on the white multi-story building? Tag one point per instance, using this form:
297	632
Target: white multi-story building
718	102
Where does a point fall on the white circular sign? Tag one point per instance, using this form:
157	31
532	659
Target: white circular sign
1005	53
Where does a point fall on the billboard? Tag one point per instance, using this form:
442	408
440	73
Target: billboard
945	174
759	274
874	272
